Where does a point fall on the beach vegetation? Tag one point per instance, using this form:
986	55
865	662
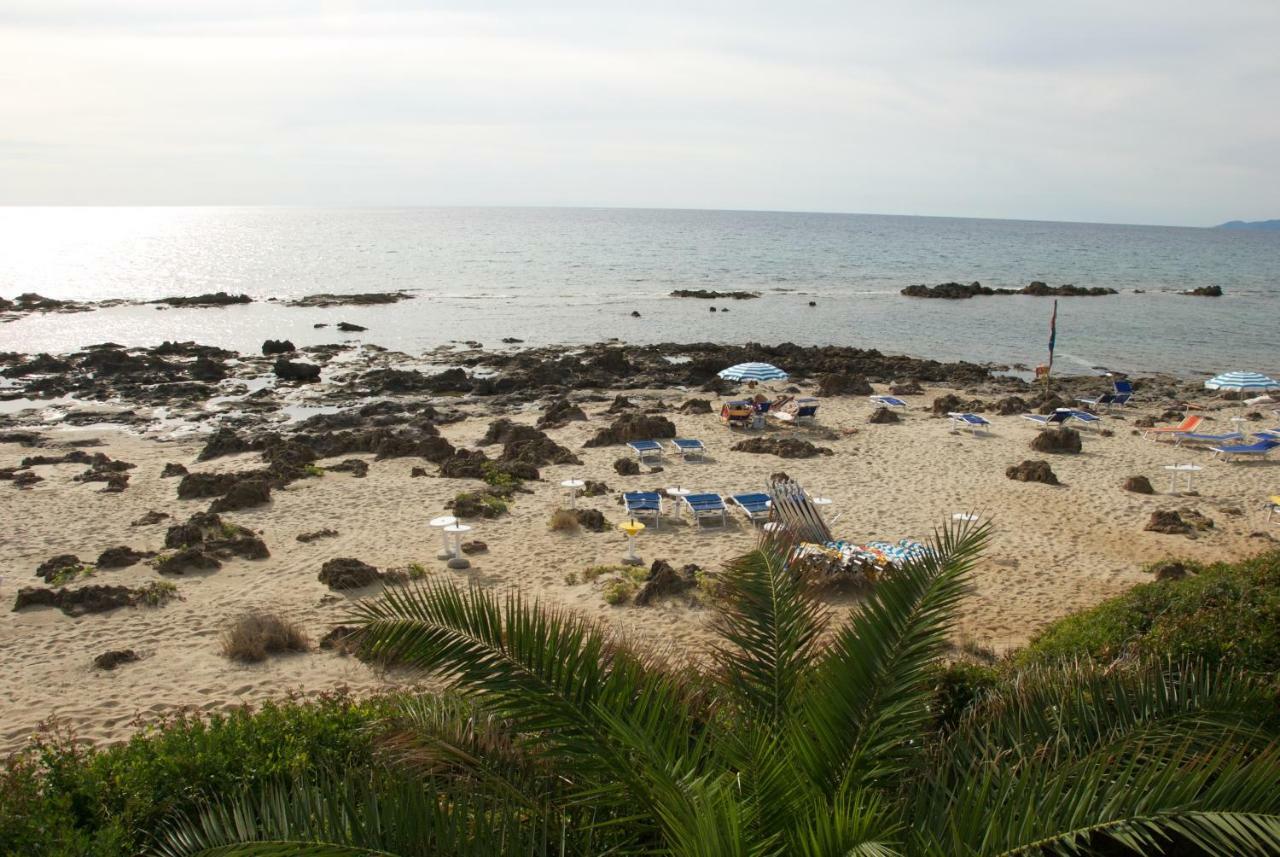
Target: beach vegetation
571	578
158	592
313	470
1226	614
497	477
255	635
69	573
62	797
620	591
590	573
564	521
417	571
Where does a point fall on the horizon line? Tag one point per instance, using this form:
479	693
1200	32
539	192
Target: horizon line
402	206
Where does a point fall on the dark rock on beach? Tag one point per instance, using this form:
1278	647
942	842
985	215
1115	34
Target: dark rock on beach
884	415
355	466
307	538
664	581
1060	440
149	518
173	469
788	447
633	426
591	520
626	467
77	602
696	406
348	327
52	567
560	413
1205	292
121	557
1138	485
303	373
348	573
111	660
957	291
244	494
272	347
844	385
1032	471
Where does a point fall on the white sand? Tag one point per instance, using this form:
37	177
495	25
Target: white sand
1055	550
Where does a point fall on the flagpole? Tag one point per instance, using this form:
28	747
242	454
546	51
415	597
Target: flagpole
1053	335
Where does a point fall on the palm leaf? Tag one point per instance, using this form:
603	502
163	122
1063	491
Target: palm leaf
866	707
358	813
554	677
771	627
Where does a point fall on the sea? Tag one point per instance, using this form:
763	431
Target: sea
549	276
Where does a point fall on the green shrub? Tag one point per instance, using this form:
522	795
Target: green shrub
1223	613
497	477
620	591
65	575
571	579
417	571
158	592
256	634
60	797
956	686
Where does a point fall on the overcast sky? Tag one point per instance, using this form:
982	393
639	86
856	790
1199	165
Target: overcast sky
1136	111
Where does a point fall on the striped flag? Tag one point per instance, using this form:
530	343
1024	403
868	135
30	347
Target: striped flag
1053	332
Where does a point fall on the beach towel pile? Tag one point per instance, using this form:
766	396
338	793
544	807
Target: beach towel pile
873	553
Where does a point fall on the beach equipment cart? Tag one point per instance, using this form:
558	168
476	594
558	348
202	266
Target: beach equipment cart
737	414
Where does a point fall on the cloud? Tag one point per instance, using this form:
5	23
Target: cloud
1137	112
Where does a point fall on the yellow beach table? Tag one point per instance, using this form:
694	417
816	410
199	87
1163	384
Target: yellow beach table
631	529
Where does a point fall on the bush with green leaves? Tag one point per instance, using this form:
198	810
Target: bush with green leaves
1226	613
811	733
60	797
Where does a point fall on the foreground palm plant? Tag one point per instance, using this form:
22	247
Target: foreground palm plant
808	737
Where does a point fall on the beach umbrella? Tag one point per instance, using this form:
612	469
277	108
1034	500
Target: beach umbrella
753	372
1239	382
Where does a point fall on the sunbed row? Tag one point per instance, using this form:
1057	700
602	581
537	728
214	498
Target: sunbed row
685	447
699	506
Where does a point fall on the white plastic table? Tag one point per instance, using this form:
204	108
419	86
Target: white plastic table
442	522
964	516
678	492
457	531
1176	469
573	485
821	501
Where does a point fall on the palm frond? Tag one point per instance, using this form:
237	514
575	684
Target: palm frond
357	814
549	674
865	709
1056	713
771	626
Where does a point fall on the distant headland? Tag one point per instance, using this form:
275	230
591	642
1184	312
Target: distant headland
1270	225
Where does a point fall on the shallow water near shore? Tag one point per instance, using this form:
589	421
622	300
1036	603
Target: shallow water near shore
567	276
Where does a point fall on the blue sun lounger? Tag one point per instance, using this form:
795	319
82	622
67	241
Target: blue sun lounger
1194	437
1063	415
1119	396
970	422
888	401
688	447
754	506
645	448
702	506
1257	449
641	503
1085	417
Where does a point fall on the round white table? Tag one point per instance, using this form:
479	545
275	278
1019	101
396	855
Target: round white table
678	492
966	517
442	522
773	526
574	485
820	501
1176	469
457	531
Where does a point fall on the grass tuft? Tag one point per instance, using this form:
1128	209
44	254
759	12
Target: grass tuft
255	635
564	521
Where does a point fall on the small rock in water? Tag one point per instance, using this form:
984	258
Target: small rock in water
348	327
635	314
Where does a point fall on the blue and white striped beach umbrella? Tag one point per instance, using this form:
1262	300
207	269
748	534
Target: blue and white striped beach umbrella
1240	382
753	372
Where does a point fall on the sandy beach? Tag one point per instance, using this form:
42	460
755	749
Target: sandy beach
1055	549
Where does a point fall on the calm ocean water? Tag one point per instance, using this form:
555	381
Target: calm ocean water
574	275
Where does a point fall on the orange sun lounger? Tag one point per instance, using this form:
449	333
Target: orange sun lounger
1189	424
